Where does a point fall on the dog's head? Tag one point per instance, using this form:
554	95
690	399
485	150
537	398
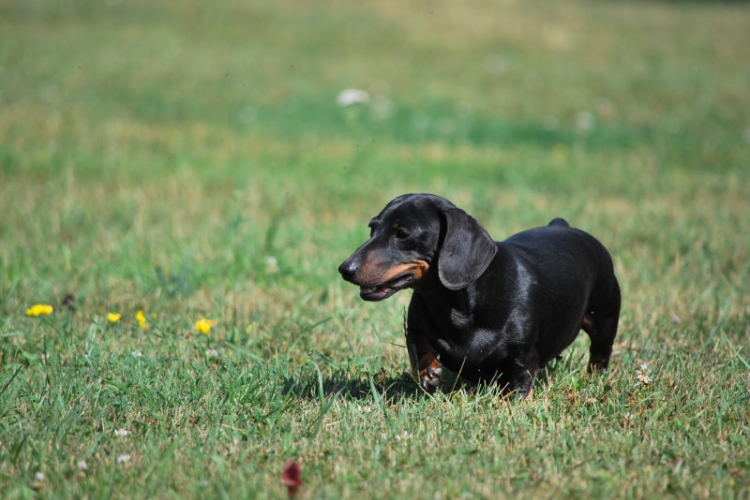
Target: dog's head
414	234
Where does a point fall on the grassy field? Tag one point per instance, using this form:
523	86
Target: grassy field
189	160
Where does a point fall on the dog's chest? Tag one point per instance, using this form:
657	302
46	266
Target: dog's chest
460	320
458	335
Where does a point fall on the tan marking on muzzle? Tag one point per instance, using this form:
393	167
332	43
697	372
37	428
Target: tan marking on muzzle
376	273
418	268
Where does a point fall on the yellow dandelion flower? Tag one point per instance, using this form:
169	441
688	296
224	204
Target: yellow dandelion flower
203	325
114	317
39	310
141	318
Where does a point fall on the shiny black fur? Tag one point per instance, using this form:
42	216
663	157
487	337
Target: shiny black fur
487	310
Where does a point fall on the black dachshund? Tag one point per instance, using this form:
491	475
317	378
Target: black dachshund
484	309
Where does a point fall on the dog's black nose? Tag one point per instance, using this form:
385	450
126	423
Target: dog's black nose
348	270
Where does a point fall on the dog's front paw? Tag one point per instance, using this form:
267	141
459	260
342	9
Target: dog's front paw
430	378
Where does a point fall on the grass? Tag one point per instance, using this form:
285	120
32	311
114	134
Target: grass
191	161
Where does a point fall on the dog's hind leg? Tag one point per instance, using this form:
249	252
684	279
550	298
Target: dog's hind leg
600	323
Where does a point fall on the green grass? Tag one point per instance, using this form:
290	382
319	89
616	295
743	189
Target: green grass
153	156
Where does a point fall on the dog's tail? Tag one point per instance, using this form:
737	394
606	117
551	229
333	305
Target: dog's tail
559	221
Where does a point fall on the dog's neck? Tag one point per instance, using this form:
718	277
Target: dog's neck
441	299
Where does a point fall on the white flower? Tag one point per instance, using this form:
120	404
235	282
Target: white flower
39	476
211	353
136	354
585	121
121	432
352	96
403	436
83	465
642	374
271	263
124	458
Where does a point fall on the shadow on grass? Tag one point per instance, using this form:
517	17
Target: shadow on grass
350	386
389	386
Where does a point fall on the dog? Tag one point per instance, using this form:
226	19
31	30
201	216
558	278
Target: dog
486	310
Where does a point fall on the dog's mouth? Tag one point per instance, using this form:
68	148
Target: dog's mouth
385	290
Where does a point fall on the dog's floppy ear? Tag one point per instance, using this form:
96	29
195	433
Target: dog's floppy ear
466	252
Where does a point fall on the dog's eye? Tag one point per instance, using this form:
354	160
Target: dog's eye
402	233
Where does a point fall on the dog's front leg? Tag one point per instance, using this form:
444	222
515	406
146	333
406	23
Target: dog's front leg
424	359
425	365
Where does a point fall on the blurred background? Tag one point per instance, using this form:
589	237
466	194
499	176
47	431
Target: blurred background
164	149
